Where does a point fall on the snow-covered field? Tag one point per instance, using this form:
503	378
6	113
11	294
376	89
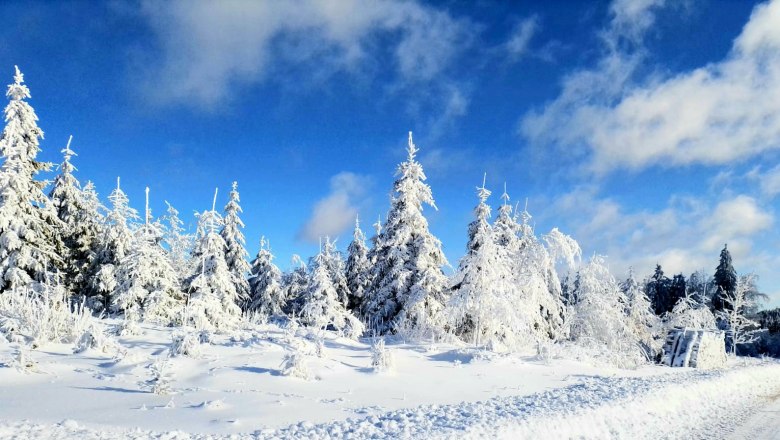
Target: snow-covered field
235	386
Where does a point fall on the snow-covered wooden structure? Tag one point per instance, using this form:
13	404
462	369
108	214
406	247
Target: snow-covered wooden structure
695	348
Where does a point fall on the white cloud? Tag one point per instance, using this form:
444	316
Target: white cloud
208	49
684	236
336	212
518	44
719	113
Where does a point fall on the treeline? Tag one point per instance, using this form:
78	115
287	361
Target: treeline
505	294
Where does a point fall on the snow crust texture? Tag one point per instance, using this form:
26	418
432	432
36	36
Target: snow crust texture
692	404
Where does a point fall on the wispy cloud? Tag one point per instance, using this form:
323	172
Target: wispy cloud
716	114
335	213
210	50
519	41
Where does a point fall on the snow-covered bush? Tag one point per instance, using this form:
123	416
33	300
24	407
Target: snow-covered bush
691	314
95	337
21	360
381	357
43	317
295	365
160	382
185	343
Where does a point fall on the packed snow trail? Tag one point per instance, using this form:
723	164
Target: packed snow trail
763	424
692	404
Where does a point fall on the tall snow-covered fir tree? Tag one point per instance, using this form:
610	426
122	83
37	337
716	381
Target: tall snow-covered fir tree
358	268
408	285
265	283
213	298
80	222
483	307
295	283
535	272
147	286
334	264
321	307
506	229
113	246
235	246
179	243
30	231
725	282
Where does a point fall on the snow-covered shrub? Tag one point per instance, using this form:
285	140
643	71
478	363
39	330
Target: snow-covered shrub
41	317
94	337
381	357
295	365
160	382
185	343
691	314
599	321
21	360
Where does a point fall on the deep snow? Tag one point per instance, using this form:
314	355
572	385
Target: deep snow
235	387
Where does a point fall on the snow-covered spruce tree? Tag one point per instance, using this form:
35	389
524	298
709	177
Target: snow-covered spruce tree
599	319
506	230
235	246
179	243
294	284
213	298
483	306
147	286
321	307
725	282
537	275
30	231
358	267
78	212
334	263
113	246
407	289
265	283
641	320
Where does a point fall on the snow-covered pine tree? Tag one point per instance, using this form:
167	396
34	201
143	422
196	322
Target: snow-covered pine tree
80	228
725	282
321	307
536	273
334	263
179	243
358	268
213	298
641	319
294	284
407	289
506	229
30	231
483	307
113	246
265	283
599	319
235	246
147	285
91	220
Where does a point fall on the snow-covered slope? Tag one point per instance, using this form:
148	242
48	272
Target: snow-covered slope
235	386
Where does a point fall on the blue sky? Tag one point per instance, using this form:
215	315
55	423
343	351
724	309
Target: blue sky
647	129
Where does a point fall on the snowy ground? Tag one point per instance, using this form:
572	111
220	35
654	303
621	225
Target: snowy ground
435	390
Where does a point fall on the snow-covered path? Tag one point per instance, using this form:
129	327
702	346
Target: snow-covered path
692	404
762	424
